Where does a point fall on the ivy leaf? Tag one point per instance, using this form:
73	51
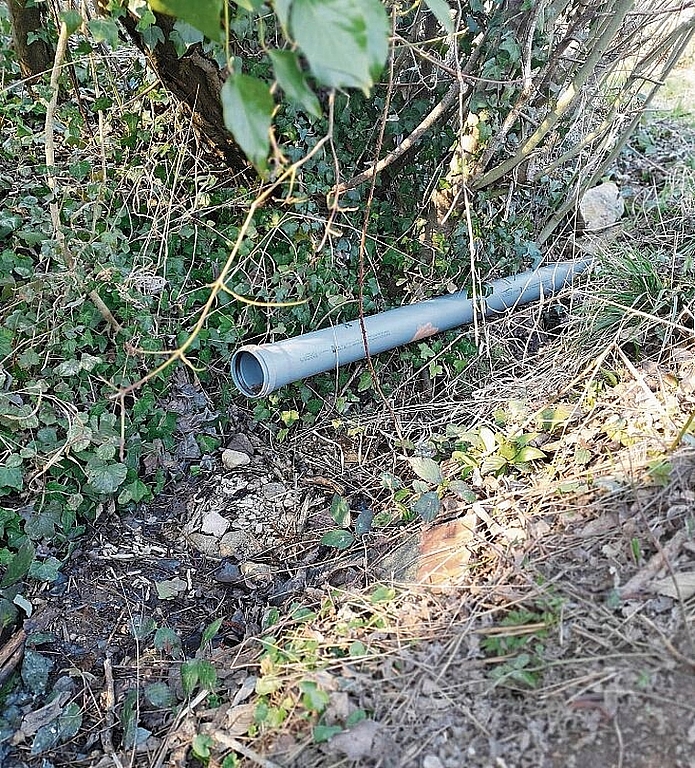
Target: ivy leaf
201	14
247	105
338	539
427	469
340	511
105	478
10	477
104	31
440	10
72	20
46	571
292	81
427	506
19	565
346	44
159	695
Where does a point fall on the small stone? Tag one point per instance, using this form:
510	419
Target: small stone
273	490
432	761
241	443
233	459
227	573
213	523
601	207
257	575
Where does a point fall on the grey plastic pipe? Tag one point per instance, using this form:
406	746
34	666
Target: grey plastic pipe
258	370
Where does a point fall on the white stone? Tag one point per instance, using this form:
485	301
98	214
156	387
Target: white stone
601	207
233	459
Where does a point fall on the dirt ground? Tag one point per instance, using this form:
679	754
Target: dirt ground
545	618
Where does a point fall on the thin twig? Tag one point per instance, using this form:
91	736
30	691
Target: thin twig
109	707
242	749
54	206
104	311
363	243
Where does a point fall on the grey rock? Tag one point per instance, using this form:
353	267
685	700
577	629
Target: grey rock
234	459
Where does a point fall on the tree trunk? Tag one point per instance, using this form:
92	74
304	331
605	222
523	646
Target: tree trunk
36	57
196	81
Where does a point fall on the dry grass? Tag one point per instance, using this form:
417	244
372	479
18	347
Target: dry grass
586	556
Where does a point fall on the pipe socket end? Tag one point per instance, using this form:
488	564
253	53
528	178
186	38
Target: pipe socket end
249	373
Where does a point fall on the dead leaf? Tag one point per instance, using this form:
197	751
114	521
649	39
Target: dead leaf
680	585
170	588
445	550
239	719
35	720
357	743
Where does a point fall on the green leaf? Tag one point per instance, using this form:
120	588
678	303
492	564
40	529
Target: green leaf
357	648
462	490
250	5
201	14
207	675
159	695
323	733
105	478
11	477
346	44
248	105
167	641
493	464
314	698
72	20
382	594
529	453
202	745
168	589
68	368
104	30
189	676
20	564
390	481
35	671
8	614
427	469
142	627
282	11
267	684
427	506
69	721
210	631
292	81
46	571
6	338
338	539
340	511
440	10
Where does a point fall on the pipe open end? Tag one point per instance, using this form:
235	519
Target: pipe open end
248	373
